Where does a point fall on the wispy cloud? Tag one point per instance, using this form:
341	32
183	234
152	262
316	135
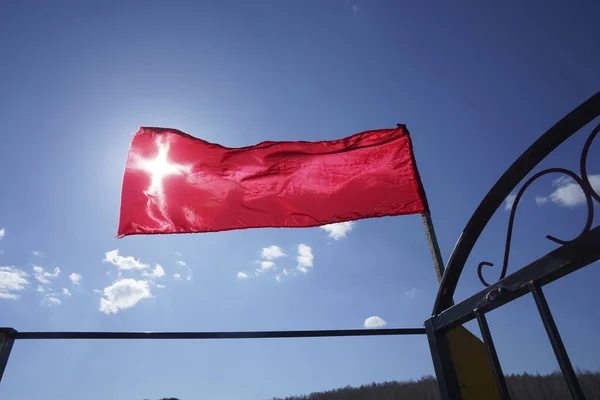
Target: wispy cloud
75	278
305	258
569	194
51	301
42	276
339	230
286	272
65	292
124	263
510	200
189	270
177	276
37	253
411	293
124	294
268	254
178	254
272	252
2	233
12	281
374	322
561	180
541	200
356	8
158	272
51	298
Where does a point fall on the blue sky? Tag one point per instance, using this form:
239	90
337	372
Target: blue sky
475	84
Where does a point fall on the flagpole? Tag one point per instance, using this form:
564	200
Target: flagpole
434	247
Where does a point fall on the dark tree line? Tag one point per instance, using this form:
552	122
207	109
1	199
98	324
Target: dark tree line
522	387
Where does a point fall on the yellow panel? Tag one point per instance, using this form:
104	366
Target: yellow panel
472	366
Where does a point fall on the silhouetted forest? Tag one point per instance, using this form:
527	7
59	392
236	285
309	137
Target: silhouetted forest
522	387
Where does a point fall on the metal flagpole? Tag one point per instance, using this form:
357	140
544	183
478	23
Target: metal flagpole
434	247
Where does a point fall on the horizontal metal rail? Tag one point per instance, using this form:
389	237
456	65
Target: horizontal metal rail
219	335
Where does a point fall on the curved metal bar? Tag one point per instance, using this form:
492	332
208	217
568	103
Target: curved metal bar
556	135
511	219
587	186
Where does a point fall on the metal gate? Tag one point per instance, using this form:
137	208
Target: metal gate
569	257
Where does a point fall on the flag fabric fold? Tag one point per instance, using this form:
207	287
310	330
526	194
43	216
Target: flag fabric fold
176	183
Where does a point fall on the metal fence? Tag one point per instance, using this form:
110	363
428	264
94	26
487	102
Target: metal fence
569	257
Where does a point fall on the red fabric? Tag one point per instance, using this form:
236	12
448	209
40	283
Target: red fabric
175	183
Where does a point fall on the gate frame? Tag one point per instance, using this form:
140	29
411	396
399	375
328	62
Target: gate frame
569	257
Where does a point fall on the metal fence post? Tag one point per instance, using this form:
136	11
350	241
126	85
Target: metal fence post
7	338
443	365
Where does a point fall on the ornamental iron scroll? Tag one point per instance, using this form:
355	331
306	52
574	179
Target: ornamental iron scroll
582	181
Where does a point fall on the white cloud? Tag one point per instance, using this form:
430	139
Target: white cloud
184	264
177	276
160	286
242	275
37	253
178	254
411	293
569	194
12	280
272	252
374	322
2	233
40	289
157	273
51	301
510	200
42	276
561	180
65	292
284	273
123	263
267	265
123	294
305	258
541	200
339	230
75	278
356	8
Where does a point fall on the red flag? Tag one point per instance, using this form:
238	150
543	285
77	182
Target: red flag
175	183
